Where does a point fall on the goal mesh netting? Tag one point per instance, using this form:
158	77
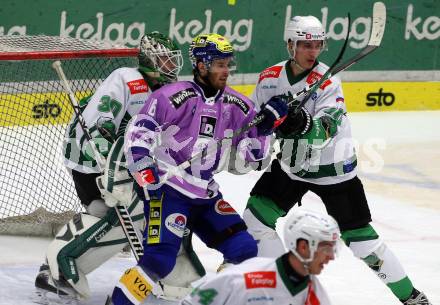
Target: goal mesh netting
36	192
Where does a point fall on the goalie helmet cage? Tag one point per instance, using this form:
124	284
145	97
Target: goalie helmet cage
37	194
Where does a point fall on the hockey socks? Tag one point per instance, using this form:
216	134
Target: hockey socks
365	244
265	210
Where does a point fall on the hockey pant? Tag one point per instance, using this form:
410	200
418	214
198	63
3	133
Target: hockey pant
214	221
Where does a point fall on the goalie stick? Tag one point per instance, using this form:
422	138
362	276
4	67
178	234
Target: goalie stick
121	210
377	31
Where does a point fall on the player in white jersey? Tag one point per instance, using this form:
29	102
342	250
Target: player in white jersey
312	240
91	238
318	155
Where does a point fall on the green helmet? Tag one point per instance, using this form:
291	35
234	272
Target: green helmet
159	57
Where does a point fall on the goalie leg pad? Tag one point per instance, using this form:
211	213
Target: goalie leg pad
97	208
85	243
366	245
268	242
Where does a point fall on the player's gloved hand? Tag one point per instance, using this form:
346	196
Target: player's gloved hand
149	181
296	123
324	128
103	134
274	111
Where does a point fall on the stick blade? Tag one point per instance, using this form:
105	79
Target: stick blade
379	21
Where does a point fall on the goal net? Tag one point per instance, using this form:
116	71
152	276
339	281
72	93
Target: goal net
36	192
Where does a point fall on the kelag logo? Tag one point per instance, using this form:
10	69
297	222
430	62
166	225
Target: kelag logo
380	98
46	110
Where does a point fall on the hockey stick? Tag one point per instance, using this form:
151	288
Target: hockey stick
121	210
377	31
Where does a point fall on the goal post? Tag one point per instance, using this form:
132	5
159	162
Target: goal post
37	194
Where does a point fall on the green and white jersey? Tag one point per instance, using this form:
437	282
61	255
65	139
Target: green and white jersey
120	96
334	163
258	280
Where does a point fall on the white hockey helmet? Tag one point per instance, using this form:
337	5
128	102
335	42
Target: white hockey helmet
313	227
300	28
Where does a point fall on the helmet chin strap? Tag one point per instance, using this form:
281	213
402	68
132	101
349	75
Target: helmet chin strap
292	53
297	65
304	261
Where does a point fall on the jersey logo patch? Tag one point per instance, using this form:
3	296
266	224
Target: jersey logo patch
207	126
137	86
181	97
260	279
232	99
224	208
176	223
315	76
154	221
272	72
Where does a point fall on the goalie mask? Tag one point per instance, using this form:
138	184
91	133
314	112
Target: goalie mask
312	227
159	57
208	47
304	28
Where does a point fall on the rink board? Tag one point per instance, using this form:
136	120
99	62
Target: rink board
54	108
383	96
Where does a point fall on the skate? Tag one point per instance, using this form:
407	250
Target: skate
417	298
50	291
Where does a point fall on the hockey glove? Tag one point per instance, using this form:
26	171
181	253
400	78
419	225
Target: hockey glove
274	111
103	134
149	181
324	128
296	123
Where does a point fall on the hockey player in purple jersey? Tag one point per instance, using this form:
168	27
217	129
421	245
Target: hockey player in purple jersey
177	122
